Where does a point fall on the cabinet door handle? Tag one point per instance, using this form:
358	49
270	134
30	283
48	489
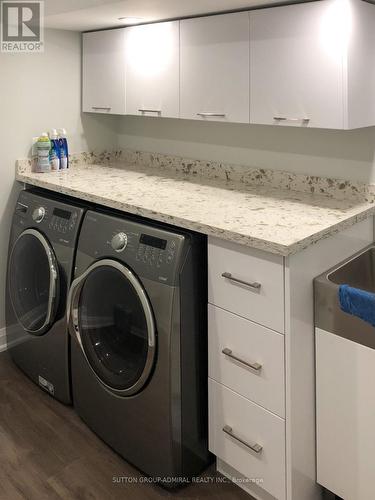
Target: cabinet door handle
257	448
157	111
219	115
104	108
254	366
286	119
253	284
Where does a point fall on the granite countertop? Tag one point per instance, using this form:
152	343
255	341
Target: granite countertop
280	221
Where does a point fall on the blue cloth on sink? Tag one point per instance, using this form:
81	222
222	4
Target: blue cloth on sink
358	303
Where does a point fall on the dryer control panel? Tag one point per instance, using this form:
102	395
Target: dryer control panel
57	220
156	251
152	252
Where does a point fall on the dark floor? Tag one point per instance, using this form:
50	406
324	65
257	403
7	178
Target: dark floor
46	452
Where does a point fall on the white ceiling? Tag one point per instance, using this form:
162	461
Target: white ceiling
82	15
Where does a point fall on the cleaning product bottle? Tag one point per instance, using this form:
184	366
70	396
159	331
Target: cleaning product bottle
55	150
64	151
43	147
34	154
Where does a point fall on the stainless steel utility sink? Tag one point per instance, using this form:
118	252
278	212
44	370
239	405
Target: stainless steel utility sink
359	272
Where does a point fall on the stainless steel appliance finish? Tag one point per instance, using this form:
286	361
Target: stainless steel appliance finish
40	267
137	317
358	272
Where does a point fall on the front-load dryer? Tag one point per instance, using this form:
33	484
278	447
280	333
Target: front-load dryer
40	267
139	343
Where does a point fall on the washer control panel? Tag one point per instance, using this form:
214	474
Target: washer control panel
57	220
52	217
155	251
62	221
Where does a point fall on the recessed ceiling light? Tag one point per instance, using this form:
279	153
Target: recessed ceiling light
130	20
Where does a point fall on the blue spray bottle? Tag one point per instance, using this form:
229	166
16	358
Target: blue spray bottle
64	150
55	150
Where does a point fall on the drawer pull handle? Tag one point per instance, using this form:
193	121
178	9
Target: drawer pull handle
257	448
157	111
286	119
252	284
103	108
254	366
219	115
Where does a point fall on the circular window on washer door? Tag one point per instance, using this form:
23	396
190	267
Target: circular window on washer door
116	326
33	282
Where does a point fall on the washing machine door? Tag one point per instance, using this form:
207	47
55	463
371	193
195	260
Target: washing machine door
33	282
111	317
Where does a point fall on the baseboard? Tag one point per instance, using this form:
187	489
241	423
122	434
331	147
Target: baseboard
3	340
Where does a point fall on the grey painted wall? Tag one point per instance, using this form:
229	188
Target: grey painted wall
39	92
344	154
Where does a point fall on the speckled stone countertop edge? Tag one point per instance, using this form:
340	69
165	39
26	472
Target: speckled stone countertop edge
329	231
232	236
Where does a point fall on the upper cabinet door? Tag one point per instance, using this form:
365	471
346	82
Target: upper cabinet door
214	68
297	55
152	69
103	70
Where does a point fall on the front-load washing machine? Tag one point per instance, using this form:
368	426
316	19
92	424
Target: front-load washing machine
137	316
40	267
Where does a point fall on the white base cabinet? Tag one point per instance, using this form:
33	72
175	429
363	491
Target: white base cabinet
262	381
250	362
345	416
248	437
247	282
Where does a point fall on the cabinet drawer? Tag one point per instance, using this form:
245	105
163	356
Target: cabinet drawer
259	293
251	425
253	344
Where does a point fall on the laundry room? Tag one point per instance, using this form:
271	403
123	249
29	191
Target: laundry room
187	249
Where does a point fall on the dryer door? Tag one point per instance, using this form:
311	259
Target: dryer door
33	282
111	317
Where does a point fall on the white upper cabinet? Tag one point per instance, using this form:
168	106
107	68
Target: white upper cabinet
214	68
312	65
296	76
360	76
103	72
152	69
306	65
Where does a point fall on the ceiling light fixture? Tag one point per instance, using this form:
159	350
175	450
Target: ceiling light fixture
130	20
